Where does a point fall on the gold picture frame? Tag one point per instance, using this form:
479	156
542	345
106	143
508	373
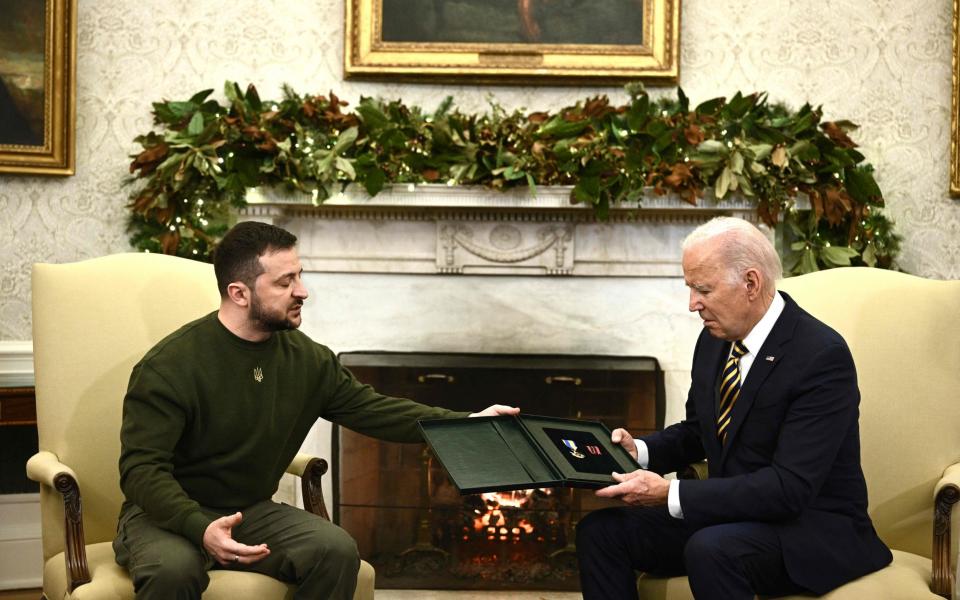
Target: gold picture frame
513	41
38	87
955	106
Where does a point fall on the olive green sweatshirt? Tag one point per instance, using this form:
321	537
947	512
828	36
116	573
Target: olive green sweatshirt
213	420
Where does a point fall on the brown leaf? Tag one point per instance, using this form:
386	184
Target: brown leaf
816	201
680	175
431	174
693	134
768	212
169	242
148	160
537	149
142	202
837	205
253	132
269	145
837	134
779	156
598	107
538	117
690	195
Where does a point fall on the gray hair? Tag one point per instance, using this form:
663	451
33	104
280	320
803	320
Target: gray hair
742	247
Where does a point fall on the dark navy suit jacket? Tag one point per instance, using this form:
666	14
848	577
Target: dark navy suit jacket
792	457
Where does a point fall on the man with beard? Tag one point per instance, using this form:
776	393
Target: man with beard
213	415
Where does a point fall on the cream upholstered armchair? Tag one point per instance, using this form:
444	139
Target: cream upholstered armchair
904	332
92	321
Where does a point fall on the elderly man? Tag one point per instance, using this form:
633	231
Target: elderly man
212	416
773	407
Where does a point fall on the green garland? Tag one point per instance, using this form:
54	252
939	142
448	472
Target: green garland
207	154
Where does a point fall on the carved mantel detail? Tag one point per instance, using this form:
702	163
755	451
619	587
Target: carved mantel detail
491	246
436	229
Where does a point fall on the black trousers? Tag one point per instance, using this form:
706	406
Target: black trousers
728	561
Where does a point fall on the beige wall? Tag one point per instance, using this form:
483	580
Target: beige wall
883	64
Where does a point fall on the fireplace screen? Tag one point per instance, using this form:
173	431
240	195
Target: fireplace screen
410	521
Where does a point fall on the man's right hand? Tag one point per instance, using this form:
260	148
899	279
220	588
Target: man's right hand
218	541
622	437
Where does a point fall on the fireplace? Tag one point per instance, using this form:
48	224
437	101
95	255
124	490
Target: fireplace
408	518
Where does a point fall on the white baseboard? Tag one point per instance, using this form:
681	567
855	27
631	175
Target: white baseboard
16	363
21	565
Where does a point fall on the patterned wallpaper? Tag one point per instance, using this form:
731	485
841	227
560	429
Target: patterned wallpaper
882	63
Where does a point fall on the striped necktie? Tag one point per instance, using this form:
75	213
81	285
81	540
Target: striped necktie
729	389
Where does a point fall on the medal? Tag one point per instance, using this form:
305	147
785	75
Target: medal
573	448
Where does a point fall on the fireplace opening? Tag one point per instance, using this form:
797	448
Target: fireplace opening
410	521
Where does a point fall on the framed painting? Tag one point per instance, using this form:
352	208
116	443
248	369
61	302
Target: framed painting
37	86
955	106
513	41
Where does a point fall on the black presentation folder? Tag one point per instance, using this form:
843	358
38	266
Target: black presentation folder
495	454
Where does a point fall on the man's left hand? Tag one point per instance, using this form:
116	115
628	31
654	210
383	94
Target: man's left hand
643	488
496	409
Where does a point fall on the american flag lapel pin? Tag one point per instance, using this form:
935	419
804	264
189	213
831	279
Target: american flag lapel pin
769	358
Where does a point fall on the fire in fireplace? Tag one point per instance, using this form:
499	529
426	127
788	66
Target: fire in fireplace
410	521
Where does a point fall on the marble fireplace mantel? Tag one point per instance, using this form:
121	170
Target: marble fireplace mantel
438	229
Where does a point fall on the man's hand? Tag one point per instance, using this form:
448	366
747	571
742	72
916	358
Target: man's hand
622	436
640	487
496	409
218	541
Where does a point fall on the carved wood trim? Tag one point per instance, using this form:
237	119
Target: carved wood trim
310	484
943	577
75	551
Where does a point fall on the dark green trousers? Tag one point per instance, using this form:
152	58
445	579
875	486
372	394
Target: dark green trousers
305	549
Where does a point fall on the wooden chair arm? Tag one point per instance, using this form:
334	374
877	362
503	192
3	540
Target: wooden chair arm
311	469
46	469
945	495
696	470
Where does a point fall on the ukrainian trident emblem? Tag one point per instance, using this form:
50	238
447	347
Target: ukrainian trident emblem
257	374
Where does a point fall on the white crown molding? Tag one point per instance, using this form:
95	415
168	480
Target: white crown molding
16	363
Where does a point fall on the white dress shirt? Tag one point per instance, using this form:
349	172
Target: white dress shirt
752	342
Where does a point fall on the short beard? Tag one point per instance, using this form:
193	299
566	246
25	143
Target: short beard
268	322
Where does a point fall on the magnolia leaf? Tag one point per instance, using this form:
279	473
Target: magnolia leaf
374	181
869	255
745	185
723	183
346	138
862	186
200	96
736	162
760	151
838	256
808	262
253	98
712	147
797	246
372	116
710	106
232	91
196	124
345	166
